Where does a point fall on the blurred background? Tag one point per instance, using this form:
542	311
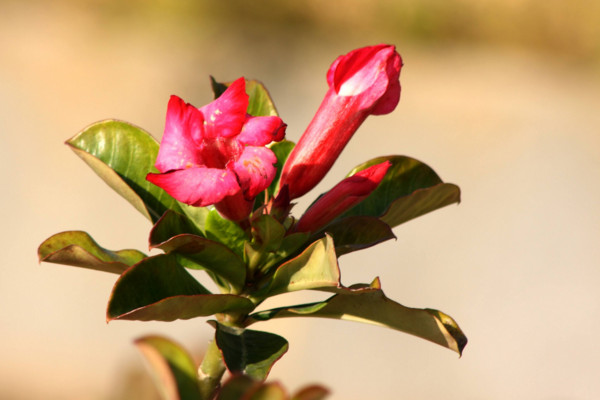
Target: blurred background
500	97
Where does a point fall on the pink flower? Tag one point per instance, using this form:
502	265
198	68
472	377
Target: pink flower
215	154
361	83
342	197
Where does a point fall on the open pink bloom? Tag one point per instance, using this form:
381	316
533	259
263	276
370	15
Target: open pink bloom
342	197
361	83
216	154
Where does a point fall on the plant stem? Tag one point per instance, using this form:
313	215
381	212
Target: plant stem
211	371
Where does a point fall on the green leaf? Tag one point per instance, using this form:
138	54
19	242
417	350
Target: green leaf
225	231
270	245
172	367
267	236
409	190
122	154
368	304
356	233
172	224
175	233
196	252
77	248
268	232
282	151
159	289
289	245
421	202
316	267
249	352
260	102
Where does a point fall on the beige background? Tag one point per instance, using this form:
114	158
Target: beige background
501	98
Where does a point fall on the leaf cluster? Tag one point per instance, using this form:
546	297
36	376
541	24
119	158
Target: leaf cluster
248	263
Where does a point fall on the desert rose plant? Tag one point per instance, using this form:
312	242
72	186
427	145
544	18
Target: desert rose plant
219	193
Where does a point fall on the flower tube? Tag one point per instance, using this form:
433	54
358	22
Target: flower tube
216	154
361	83
342	197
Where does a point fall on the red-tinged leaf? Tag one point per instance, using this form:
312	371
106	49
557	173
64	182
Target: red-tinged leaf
174	233
368	304
172	224
196	252
421	202
159	289
282	151
122	154
172	367
78	249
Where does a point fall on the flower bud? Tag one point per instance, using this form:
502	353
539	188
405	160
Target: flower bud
342	197
362	82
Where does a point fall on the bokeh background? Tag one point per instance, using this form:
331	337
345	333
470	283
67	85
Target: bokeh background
500	97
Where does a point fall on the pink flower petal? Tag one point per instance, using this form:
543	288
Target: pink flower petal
235	208
177	147
260	131
370	72
225	116
388	102
357	71
197	186
218	152
255	170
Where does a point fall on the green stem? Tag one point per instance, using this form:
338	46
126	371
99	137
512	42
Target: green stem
211	371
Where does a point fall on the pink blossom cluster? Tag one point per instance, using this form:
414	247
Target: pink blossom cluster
217	154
